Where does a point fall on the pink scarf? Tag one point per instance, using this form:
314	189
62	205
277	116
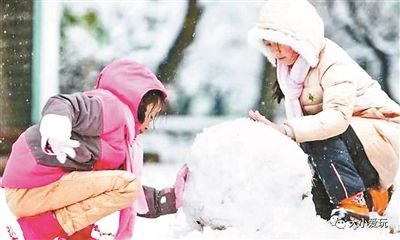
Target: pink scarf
134	164
291	84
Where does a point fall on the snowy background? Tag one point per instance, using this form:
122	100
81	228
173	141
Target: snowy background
220	75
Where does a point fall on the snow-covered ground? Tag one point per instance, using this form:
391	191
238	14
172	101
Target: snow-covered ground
176	226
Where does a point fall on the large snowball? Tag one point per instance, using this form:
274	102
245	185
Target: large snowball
245	174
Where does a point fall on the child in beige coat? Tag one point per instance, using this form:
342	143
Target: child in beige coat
340	116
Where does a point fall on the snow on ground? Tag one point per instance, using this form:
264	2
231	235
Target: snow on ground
303	224
176	226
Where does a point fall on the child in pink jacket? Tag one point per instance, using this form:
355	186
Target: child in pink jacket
82	162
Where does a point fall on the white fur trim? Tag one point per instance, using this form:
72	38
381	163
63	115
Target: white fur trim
306	50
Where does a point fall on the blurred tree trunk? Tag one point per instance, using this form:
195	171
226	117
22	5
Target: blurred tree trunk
15	70
266	105
361	28
167	69
360	31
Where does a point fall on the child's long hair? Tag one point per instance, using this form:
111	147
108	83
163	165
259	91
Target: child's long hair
155	97
277	92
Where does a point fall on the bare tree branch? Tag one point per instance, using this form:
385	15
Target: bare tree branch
167	69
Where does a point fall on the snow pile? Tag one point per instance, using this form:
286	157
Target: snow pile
248	176
8	223
393	210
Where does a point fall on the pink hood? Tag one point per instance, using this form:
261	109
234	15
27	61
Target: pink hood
129	81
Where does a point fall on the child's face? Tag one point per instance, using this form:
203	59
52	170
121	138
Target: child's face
151	111
282	53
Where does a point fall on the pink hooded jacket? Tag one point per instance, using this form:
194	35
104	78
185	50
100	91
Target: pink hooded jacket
102	123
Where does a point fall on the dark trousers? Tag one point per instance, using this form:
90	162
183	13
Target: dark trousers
341	169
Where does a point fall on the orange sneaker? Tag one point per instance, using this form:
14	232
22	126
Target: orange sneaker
380	200
355	206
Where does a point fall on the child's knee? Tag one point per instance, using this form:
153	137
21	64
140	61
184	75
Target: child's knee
129	187
133	189
14	204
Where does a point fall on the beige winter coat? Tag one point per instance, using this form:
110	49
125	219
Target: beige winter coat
337	91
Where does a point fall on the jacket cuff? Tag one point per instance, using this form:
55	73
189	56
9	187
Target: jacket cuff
289	131
159	202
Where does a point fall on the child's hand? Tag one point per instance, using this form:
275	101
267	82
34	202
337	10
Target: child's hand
256	116
180	184
168	200
55	131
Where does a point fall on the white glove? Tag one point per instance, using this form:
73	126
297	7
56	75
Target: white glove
55	131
